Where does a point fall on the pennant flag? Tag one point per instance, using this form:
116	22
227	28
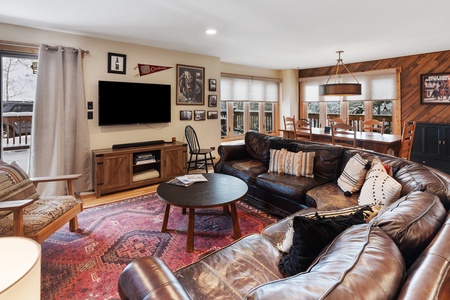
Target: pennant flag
148	69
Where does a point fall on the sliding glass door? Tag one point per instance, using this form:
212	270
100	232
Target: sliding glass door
18	84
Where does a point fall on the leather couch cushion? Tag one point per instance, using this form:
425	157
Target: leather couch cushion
412	222
257	145
231	272
329	196
245	169
416	177
434	265
327	161
287	186
354	264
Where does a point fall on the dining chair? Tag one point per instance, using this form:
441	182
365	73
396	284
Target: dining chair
336	121
302	130
195	151
289	122
372	125
407	140
342	134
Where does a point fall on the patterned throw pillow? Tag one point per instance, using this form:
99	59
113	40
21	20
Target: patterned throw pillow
299	164
276	156
15	183
352	178
379	187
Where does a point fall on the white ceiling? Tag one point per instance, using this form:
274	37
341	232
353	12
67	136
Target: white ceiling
275	34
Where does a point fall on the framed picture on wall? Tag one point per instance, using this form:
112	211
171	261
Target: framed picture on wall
185	115
117	63
213	114
199	115
212	87
212	100
435	88
190	85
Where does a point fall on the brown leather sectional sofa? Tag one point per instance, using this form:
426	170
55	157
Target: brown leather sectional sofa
403	253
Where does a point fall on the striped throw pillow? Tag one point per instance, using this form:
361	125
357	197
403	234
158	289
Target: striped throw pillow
353	176
299	163
276	157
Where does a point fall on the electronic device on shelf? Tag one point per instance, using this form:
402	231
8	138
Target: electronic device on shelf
137	144
122	103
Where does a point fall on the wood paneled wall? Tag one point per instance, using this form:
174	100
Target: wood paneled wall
412	66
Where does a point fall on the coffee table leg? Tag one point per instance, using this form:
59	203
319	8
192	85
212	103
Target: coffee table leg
234	217
190	232
166	218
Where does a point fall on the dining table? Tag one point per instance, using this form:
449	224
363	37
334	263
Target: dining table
383	143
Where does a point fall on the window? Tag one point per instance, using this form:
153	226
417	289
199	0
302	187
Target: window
379	99
247	103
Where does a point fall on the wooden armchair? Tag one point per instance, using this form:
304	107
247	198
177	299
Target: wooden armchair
24	213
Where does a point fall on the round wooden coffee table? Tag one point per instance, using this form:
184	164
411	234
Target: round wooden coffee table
220	190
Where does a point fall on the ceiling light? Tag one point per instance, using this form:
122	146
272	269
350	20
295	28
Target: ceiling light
338	88
211	31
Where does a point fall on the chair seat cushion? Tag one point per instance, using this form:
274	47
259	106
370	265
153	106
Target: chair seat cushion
39	214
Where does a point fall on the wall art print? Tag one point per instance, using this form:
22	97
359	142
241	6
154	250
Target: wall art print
435	88
190	85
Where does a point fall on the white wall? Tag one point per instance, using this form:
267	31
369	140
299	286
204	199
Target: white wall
95	69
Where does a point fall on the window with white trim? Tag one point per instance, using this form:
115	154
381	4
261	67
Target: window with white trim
379	100
247	103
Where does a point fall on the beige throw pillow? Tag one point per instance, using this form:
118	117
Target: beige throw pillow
276	158
352	178
298	163
379	187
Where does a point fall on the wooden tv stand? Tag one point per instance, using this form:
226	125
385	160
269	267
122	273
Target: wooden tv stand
117	170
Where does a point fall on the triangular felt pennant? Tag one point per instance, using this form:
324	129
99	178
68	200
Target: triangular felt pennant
148	69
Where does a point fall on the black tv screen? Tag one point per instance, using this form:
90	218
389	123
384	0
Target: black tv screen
121	103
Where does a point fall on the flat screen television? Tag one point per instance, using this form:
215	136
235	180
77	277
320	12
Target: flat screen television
122	103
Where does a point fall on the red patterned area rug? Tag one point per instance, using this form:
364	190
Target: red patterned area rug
87	264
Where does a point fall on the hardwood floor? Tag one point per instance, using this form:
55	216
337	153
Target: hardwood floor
90	200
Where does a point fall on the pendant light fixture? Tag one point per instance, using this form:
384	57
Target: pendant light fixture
338	88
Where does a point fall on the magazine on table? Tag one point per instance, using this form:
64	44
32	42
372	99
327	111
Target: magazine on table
191	178
179	183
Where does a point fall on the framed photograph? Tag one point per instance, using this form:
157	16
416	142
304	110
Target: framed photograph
212	100
212	85
213	114
190	85
185	115
435	88
199	115
117	63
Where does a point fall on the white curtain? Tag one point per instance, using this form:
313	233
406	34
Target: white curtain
60	135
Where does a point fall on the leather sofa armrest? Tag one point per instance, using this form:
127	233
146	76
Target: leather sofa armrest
150	278
229	153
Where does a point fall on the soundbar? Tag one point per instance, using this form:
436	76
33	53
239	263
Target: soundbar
137	144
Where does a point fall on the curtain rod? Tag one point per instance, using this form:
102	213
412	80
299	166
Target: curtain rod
74	50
